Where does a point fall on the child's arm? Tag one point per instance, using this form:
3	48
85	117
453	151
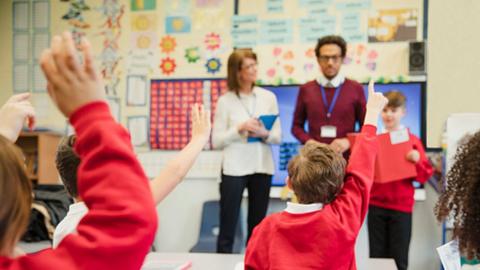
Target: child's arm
420	159
120	226
352	203
177	168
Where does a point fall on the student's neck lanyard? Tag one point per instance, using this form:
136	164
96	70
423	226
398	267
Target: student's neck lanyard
334	100
245	106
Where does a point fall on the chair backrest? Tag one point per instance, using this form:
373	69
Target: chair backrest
210	219
210	228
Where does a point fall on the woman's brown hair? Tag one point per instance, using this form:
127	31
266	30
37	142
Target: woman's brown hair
15	196
461	198
235	61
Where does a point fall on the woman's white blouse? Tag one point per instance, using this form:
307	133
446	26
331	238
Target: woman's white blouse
239	156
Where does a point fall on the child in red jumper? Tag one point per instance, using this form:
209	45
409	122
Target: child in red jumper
320	231
391	204
119	229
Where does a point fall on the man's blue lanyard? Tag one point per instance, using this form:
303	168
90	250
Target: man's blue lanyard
334	100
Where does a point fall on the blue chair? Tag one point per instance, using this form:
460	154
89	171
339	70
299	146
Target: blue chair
209	229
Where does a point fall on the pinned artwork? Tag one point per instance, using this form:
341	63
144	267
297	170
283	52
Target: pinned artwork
177	7
308	67
271	72
209	19
361	55
213	65
171	102
288	69
112	12
288	55
178	24
192	54
76	20
141	5
393	25
143	22
168	65
212	41
208	3
141	62
168	44
143	40
138	128
310	53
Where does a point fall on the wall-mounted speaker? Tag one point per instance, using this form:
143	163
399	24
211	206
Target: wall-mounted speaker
417	58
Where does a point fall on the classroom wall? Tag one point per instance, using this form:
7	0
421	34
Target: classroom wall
6	50
452	56
453	63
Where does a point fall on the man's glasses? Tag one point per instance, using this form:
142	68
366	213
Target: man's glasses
326	58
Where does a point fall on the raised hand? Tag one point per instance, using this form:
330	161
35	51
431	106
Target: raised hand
14	113
70	84
376	102
201	126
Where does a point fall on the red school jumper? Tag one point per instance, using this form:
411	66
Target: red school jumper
120	225
324	239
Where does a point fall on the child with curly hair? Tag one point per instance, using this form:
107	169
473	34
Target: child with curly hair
460	199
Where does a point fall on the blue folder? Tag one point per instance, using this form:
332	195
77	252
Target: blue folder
267	120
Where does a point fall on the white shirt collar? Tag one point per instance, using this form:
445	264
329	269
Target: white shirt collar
298	208
335	82
79	207
400	127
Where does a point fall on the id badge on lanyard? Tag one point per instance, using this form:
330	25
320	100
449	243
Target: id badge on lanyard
329	131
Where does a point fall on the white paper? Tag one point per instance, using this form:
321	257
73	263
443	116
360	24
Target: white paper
138	130
41	15
399	136
20	78
20	16
136	90
20	46
40	43
450	255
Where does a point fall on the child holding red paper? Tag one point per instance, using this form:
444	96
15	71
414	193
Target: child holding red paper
391	204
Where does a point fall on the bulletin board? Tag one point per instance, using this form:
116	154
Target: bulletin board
284	33
140	44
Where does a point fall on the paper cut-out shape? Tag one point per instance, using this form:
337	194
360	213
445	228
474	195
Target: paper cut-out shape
213	65
310	53
168	44
288	55
192	54
212	41
271	72
178	24
168	66
277	51
288	69
137	5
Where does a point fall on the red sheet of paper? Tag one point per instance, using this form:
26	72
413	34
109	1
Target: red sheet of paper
391	163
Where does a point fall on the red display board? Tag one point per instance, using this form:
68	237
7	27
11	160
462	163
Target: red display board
170	105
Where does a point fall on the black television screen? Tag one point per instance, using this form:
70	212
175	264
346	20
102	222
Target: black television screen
287	96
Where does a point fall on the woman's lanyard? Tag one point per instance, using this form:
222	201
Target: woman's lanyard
328	108
250	114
